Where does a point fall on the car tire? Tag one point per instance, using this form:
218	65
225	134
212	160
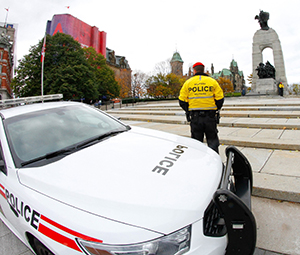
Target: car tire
40	249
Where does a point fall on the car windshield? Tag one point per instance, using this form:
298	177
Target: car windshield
47	133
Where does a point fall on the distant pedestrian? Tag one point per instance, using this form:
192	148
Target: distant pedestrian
280	88
201	97
244	91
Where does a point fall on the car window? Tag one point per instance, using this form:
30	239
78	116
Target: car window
2	162
36	134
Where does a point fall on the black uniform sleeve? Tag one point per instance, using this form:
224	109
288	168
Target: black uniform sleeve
219	103
184	105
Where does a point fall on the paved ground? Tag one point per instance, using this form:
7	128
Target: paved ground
267	131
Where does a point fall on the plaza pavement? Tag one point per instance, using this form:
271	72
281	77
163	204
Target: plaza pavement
267	130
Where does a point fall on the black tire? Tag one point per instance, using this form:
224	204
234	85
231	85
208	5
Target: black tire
40	249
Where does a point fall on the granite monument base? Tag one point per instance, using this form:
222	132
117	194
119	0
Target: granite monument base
266	86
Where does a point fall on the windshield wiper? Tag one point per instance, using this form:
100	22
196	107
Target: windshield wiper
78	146
96	139
49	155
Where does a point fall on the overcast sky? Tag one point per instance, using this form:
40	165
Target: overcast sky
149	32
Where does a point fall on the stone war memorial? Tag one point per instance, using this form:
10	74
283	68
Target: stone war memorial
265	76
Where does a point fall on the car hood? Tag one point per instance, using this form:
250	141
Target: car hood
146	178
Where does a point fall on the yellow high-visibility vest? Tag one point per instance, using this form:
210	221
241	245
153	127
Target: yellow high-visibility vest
200	92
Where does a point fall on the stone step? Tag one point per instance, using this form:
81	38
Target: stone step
225	107
224	113
249	127
273	122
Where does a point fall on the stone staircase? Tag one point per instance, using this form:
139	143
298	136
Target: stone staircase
270	125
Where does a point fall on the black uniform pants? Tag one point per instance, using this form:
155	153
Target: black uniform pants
204	123
281	92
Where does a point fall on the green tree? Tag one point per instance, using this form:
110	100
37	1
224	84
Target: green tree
66	70
103	77
28	79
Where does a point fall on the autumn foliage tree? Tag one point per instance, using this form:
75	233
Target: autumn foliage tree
250	78
164	85
124	81
226	85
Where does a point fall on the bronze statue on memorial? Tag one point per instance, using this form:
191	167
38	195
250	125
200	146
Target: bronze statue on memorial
263	18
265	70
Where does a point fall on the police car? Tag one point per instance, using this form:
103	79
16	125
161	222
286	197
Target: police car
75	180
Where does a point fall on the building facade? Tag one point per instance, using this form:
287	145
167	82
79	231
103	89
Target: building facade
177	64
233	74
90	36
7	39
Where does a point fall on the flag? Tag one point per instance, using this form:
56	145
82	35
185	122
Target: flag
6	9
43	50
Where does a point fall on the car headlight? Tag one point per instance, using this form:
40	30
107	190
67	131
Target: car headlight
176	243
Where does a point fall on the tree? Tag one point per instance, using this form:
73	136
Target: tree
175	82
138	84
163	67
295	89
103	78
226	85
28	79
124	80
68	69
250	78
164	85
154	85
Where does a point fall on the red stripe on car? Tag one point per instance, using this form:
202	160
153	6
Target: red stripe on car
70	231
58	237
2	194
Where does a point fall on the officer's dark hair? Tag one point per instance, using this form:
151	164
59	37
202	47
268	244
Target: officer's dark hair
199	69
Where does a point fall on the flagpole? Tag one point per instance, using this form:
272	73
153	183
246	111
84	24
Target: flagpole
42	71
7	9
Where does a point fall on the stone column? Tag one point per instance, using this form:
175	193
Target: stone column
263	39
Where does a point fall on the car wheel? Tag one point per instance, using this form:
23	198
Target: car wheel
40	249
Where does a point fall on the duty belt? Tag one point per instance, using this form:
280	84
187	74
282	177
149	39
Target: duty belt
203	113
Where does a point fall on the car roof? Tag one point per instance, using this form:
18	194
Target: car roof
23	109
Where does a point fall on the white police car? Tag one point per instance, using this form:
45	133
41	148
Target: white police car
74	180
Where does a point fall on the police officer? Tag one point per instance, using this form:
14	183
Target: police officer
281	86
201	97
